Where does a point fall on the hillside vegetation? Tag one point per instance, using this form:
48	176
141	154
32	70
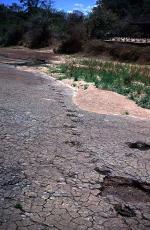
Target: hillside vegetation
35	23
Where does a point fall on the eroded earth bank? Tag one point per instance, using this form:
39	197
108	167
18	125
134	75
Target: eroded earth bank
62	168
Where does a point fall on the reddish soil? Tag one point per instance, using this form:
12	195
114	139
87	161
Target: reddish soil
107	102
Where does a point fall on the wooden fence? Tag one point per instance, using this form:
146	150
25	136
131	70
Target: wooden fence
129	40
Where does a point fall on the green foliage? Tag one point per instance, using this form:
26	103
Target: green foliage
32	6
70	46
127	80
36	24
38	30
11	25
19	206
103	22
86	86
115	17
12	36
34	27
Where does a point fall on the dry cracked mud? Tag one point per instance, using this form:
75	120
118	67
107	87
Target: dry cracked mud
62	168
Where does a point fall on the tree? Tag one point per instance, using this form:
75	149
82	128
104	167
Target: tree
146	7
38	31
103	21
32	5
116	17
15	8
76	25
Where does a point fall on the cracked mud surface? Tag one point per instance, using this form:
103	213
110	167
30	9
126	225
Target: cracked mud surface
62	168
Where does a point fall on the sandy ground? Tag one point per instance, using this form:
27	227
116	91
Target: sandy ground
107	102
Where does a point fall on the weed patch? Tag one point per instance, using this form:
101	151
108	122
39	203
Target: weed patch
132	81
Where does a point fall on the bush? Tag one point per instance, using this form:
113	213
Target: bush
12	36
35	39
95	47
70	46
118	51
125	52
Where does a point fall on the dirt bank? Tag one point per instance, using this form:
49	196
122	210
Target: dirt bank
108	102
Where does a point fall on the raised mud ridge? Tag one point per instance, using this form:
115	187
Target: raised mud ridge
139	145
126	189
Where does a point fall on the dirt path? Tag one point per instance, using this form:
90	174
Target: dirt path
66	169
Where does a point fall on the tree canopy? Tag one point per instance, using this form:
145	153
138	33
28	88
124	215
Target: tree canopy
36	23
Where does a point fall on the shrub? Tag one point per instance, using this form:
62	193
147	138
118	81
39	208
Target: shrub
125	52
12	36
70	46
122	52
95	47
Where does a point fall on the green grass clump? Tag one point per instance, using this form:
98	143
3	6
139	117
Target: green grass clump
86	87
19	206
54	69
131	81
126	113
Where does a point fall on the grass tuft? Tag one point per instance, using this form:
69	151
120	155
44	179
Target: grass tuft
19	206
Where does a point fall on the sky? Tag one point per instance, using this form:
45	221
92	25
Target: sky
66	5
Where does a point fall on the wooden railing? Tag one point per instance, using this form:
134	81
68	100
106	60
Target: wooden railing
129	40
